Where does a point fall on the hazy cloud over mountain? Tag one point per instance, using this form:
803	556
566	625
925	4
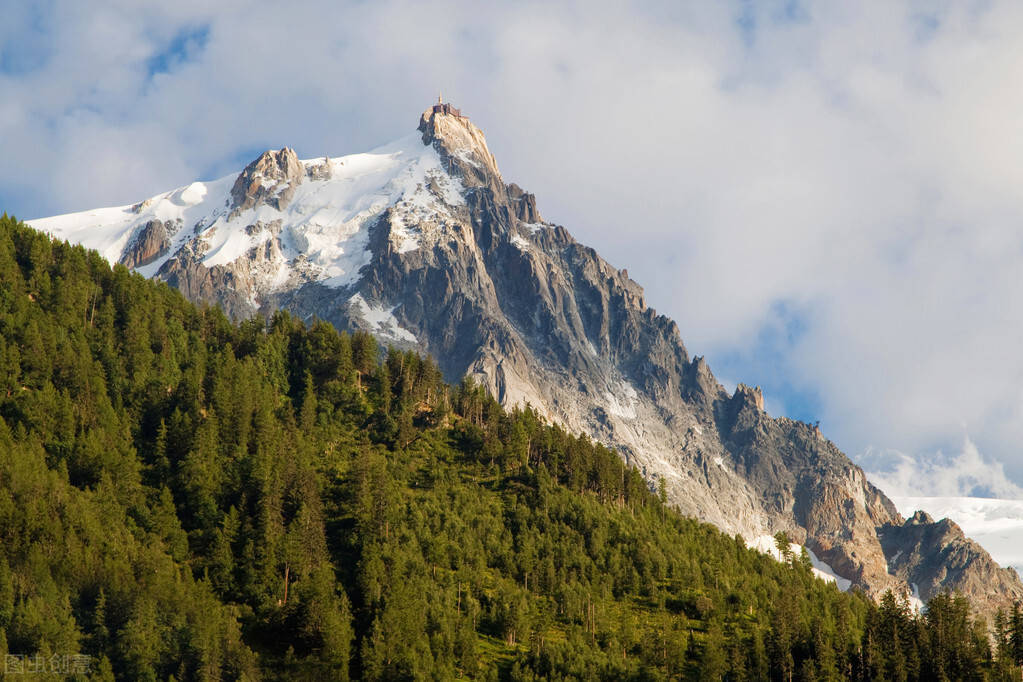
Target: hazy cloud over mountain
826	198
962	473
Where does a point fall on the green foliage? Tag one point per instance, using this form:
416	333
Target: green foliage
183	497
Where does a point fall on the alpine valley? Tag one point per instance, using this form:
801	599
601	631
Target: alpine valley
424	245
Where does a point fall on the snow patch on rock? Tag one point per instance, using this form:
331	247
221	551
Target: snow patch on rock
427	197
824	571
621	400
381	320
519	241
915	602
766	544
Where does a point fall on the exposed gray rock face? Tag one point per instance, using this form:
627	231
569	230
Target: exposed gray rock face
216	285
936	557
539	318
235	286
150	242
271	179
320	171
805	483
461	265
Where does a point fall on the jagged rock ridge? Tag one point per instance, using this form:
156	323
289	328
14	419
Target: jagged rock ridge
271	179
936	556
424	244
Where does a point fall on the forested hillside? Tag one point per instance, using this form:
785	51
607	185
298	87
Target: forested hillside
185	498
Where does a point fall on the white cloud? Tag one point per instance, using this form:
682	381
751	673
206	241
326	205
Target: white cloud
854	167
966	474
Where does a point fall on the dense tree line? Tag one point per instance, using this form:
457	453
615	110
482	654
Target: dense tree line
182	497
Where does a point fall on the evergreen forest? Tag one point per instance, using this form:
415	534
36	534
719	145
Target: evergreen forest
184	498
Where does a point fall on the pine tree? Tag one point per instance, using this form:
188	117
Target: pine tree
713	662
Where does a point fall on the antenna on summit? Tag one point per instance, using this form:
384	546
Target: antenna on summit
441	107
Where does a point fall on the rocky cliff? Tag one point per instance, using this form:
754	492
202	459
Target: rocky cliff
424	244
935	556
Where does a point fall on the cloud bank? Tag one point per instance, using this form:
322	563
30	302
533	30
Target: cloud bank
825	197
964	474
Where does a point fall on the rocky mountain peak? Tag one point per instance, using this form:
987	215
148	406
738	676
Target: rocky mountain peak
461	145
935	556
423	244
271	179
751	395
920	518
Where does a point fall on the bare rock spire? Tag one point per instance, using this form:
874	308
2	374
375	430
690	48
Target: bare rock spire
271	179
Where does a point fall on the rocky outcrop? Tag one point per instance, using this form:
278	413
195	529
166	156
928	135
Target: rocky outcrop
935	556
271	179
463	149
320	171
524	205
149	243
238	287
216	285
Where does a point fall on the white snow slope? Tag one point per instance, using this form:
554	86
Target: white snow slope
768	545
996	524
326	222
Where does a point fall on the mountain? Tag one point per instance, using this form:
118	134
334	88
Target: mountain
185	498
423	243
996	524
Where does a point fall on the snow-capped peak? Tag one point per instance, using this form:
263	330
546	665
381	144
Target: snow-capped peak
282	221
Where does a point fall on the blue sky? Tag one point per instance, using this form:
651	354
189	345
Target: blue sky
824	196
186	46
